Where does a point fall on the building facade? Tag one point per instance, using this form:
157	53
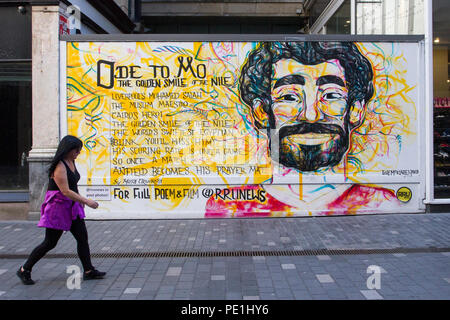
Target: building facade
29	86
30	66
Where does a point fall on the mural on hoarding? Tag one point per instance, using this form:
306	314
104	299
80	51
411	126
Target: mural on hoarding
245	129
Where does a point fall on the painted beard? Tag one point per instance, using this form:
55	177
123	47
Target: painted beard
311	146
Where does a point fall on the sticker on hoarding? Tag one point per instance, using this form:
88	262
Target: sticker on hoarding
404	194
98	193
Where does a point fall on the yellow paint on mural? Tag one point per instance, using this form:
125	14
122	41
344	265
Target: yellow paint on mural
170	115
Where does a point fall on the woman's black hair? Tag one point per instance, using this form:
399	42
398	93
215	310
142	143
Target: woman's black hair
67	144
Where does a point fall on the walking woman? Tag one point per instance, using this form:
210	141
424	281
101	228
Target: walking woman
63	210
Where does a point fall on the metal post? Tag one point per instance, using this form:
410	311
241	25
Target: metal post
353	16
429	177
429	198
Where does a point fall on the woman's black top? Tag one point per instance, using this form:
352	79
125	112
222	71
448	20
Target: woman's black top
72	179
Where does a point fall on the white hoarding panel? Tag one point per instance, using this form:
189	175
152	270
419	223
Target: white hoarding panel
246	129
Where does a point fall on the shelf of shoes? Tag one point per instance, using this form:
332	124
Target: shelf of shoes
442	148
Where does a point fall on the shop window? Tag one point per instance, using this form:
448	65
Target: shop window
390	17
339	23
441	139
15	124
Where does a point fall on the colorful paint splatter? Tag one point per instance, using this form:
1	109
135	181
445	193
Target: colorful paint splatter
245	129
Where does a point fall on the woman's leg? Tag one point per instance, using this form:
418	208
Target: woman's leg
51	239
79	231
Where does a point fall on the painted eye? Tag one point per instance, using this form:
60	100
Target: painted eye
289	98
333	96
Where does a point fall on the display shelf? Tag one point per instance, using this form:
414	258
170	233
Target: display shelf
441	151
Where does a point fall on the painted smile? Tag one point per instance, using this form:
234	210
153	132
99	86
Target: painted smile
310	139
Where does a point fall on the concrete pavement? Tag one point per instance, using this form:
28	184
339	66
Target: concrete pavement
396	256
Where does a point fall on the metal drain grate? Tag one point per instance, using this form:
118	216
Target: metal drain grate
200	254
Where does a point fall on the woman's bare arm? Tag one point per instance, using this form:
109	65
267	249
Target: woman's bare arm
60	177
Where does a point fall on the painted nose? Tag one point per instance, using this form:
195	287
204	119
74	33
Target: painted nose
311	111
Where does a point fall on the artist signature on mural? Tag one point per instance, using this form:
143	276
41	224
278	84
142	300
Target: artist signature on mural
408	172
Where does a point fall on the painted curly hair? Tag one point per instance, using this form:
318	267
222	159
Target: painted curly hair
256	73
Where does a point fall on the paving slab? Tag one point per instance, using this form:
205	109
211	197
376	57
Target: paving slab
314	274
